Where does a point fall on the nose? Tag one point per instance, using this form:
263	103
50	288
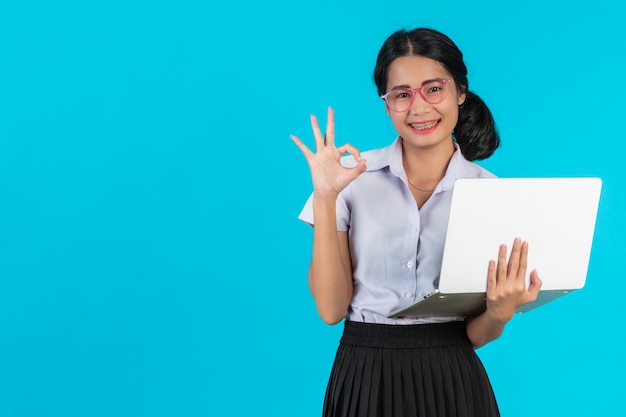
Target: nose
419	106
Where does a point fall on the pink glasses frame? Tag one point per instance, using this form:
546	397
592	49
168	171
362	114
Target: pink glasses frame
416	90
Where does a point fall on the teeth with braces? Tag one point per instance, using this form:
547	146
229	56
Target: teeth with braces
424	126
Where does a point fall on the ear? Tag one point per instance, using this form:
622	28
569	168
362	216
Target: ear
462	95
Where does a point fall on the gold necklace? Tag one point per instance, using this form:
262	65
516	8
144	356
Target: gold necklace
418	188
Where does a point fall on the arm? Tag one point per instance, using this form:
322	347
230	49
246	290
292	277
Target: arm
330	272
506	291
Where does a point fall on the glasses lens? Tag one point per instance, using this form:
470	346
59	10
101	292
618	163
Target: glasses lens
400	100
434	91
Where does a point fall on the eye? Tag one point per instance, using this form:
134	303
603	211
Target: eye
433	87
402	94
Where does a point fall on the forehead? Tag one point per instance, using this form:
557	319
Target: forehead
413	70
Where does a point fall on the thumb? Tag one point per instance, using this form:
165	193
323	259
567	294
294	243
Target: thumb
360	168
535	283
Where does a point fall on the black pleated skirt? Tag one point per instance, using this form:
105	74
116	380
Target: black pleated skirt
424	370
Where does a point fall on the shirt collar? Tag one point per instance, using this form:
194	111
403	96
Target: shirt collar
391	156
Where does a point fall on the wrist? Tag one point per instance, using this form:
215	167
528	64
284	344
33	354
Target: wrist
324	196
499	317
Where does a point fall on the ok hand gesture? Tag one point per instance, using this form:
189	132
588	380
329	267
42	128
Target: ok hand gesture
328	175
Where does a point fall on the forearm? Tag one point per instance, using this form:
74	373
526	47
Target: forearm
483	329
330	273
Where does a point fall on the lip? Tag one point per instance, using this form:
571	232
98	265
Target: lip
425	131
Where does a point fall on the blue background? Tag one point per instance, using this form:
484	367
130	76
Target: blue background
151	262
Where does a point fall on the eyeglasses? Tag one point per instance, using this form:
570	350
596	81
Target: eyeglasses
401	99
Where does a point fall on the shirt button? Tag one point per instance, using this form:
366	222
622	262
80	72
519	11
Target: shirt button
409	264
407	294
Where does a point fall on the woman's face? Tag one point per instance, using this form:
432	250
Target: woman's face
424	125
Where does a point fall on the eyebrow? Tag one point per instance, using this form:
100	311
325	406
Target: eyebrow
396	87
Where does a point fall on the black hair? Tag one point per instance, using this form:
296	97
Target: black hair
475	131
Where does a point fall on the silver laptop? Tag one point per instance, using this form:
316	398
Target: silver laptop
557	217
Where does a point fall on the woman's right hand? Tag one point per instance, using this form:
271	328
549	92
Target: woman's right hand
328	175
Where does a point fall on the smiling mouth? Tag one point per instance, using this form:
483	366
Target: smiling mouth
424	126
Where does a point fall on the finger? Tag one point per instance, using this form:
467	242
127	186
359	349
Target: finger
317	133
305	150
347	148
357	170
501	269
330	127
491	276
361	166
535	284
523	263
514	259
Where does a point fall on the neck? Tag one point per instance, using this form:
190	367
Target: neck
425	167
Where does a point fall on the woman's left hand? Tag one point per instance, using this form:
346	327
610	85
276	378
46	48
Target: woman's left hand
506	283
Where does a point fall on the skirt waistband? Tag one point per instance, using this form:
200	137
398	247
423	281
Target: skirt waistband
404	336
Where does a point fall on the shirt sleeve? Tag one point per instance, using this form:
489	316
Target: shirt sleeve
343	211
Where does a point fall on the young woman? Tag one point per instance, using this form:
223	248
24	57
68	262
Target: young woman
380	221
